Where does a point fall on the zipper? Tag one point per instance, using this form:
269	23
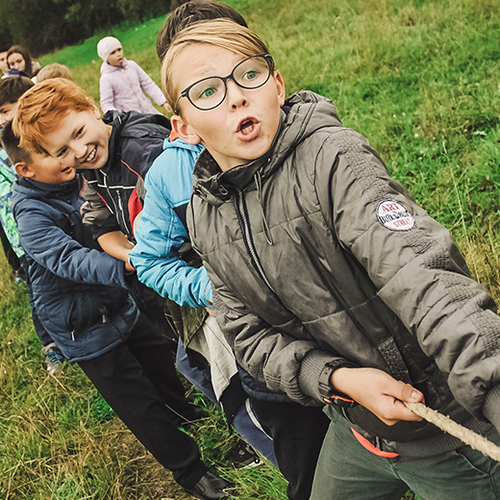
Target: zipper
119	209
247	238
120	204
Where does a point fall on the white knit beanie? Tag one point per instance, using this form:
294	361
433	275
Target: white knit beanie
106	45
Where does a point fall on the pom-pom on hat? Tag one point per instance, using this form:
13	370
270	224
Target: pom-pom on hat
106	45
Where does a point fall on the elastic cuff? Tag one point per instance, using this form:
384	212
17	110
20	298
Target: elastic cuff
311	367
491	406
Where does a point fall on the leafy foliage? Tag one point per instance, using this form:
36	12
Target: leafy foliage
44	25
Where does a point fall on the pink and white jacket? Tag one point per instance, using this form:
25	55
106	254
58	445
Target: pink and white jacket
122	88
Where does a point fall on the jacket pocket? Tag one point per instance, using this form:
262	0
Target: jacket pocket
85	310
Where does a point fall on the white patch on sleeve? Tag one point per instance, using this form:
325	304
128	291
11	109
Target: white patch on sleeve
394	216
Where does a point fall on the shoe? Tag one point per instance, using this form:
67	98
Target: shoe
244	456
53	357
211	487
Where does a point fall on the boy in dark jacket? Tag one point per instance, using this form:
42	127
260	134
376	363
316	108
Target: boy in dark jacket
331	283
80	294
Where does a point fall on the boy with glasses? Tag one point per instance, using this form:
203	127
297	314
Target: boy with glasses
331	283
165	261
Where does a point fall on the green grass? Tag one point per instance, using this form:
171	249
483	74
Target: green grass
418	78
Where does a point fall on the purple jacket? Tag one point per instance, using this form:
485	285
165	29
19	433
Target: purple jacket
122	88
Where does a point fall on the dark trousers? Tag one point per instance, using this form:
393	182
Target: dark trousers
139	381
298	432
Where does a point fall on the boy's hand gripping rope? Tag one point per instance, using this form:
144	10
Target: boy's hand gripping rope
446	424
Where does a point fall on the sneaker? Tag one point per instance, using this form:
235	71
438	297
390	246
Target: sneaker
53	357
244	457
211	487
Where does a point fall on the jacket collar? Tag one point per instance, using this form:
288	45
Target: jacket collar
107	68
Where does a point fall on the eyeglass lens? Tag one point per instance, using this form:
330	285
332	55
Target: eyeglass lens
249	74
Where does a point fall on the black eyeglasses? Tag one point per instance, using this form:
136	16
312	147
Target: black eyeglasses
251	73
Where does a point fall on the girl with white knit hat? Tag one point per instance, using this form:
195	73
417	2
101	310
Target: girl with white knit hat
123	82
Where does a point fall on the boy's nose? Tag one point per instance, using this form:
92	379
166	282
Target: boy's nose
80	150
235	95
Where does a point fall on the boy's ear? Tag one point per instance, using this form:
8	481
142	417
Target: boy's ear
184	130
96	112
280	85
23	169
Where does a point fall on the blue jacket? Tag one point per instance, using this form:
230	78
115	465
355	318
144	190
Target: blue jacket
162	236
79	292
159	255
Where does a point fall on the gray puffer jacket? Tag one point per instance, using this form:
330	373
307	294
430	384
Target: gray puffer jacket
318	256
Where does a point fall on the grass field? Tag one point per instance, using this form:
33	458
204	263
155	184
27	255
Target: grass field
419	78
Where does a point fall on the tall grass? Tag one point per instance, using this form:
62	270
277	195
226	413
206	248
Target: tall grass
419	78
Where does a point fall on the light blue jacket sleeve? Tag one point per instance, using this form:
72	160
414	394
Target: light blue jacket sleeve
161	233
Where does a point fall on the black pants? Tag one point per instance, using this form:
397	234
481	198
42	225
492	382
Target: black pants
298	432
139	381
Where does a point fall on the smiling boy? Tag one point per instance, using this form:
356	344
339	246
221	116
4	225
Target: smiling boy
114	152
321	294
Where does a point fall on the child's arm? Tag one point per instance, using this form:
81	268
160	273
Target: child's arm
148	85
161	234
58	252
294	366
118	246
106	92
416	267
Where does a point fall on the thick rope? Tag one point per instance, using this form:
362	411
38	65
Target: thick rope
446	424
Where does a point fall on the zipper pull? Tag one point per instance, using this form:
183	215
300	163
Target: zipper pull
73	335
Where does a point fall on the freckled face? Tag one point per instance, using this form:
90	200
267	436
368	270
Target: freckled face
80	140
243	126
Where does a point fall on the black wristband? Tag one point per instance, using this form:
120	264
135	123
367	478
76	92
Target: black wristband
327	393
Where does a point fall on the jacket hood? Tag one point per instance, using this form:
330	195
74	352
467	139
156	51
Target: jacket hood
132	125
29	188
107	68
303	114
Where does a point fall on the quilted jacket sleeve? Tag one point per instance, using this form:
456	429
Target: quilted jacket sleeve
161	234
45	242
106	93
415	265
148	85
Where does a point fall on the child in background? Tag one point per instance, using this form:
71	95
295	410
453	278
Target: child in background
123	82
81	296
20	62
331	283
54	70
4	67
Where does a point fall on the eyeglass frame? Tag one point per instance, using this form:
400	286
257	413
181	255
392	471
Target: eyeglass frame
185	93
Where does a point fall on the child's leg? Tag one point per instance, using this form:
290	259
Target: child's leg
124	383
297	432
196	376
249	428
462	474
346	470
153	352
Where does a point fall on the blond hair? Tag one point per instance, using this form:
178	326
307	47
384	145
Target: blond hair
54	70
221	33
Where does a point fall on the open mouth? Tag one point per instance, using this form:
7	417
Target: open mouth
247	126
91	156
